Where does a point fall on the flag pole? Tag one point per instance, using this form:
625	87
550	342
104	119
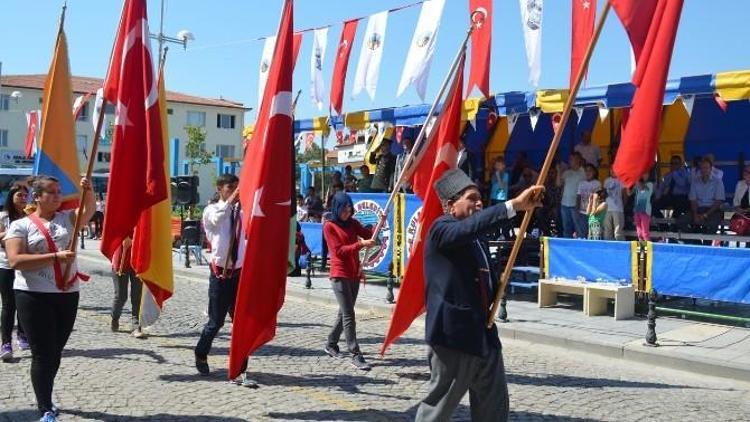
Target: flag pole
562	122
90	167
477	19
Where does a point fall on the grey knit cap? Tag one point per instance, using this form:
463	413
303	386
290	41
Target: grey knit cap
452	183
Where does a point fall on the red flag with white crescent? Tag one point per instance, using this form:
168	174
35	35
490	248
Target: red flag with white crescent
266	201
440	156
137	178
342	63
584	14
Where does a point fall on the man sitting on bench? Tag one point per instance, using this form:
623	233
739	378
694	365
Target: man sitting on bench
706	198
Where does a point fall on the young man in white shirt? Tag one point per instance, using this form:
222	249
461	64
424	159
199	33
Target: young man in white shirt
222	222
568	180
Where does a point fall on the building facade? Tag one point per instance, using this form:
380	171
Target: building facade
222	120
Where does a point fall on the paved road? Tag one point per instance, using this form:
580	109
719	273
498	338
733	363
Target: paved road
112	376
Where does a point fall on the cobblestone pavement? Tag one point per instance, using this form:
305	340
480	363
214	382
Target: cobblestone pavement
112	376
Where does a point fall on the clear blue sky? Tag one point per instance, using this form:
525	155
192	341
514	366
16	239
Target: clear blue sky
714	36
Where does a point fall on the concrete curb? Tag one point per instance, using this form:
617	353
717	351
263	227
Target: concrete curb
657	356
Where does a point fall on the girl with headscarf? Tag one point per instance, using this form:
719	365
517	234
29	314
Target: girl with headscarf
345	237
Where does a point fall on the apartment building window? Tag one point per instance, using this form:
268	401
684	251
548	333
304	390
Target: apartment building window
109	108
4	138
83	115
225	121
225	151
103	157
170	111
4	102
82	142
196	118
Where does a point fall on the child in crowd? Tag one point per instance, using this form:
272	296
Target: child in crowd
642	207
597	210
585	188
499	185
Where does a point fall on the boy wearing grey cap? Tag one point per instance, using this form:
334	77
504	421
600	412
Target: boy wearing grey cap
460	286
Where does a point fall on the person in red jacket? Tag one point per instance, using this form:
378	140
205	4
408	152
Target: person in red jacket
345	237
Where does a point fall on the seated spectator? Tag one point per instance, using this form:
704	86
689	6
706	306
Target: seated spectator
527	180
365	180
674	189
548	215
706	198
314	205
385	163
585	188
350	184
348	174
301	210
715	172
591	153
741	201
335	188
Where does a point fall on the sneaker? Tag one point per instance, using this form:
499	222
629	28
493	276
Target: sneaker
359	362
6	352
48	417
23	342
114	326
138	333
332	351
202	366
245	381
55	410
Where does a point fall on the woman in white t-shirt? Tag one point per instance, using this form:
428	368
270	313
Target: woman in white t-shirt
15	202
38	249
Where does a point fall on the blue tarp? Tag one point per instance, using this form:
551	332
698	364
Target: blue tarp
701	272
592	260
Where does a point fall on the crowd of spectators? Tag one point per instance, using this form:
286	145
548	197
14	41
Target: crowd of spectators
579	201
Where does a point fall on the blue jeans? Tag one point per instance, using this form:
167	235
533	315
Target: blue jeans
222	293
582	225
569	215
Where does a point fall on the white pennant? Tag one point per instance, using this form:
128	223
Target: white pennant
579	113
603	112
265	66
320	39
368	67
417	67
98	103
688	101
534	117
531	21
512	119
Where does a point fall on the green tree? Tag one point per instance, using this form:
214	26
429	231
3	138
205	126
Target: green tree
195	148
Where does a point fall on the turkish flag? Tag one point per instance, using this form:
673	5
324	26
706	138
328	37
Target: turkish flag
266	199
640	134
438	157
342	63
584	14
32	118
137	178
481	49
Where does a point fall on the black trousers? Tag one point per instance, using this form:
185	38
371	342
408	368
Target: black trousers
48	319
222	293
121	294
346	295
8	315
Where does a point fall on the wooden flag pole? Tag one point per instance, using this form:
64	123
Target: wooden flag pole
547	164
422	141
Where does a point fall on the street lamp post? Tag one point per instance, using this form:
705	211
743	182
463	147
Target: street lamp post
182	37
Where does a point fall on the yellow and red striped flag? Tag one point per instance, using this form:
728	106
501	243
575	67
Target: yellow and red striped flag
153	238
